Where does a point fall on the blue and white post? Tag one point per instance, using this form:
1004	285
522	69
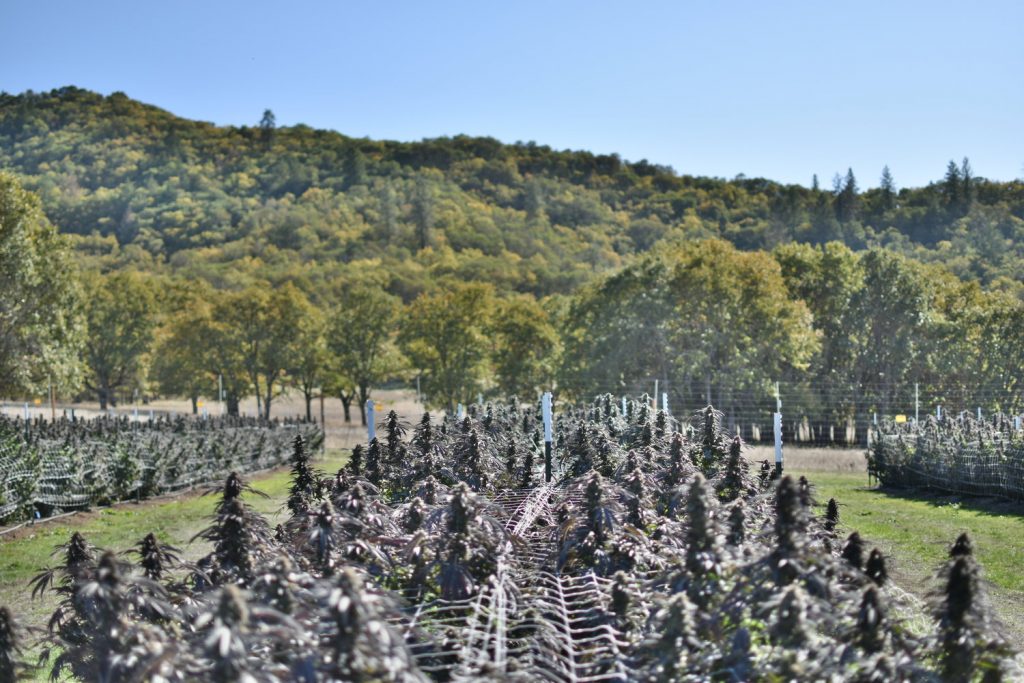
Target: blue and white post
546	413
371	429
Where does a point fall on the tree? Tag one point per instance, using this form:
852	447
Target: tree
268	126
827	278
887	187
734	325
120	313
388	225
524	347
714	321
893	309
180	364
847	199
353	167
423	211
360	339
443	335
310	360
967	178
952	189
40	322
262	326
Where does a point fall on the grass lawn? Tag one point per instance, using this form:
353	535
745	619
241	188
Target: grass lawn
916	530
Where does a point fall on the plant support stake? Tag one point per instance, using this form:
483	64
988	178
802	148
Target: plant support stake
371	432
546	411
777	424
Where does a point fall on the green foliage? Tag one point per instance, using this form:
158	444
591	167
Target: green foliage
140	186
443	337
120	312
40	324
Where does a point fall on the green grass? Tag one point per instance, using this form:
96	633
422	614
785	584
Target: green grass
916	531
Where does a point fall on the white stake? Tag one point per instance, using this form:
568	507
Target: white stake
979	412
777	424
546	414
371	429
623	406
664	401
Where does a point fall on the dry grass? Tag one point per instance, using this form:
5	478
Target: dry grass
800	459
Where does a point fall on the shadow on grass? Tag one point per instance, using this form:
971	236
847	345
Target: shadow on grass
984	505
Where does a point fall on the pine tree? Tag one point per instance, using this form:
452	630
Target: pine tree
888	190
952	189
353	167
423	212
268	125
967	178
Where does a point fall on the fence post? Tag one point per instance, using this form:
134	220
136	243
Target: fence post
917	404
546	413
623	406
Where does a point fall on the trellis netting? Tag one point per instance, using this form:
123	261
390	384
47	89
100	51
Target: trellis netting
71	464
955	454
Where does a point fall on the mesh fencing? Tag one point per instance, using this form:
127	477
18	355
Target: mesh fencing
960	455
48	467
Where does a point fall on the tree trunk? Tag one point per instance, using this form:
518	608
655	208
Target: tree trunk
346	405
309	405
195	405
232	405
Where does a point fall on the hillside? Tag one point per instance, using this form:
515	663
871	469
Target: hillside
140	187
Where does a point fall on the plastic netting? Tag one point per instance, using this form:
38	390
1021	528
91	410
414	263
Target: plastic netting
960	455
67	465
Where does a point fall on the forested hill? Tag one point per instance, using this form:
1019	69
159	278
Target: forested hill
143	188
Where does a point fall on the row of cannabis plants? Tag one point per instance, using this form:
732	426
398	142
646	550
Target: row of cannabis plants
959	454
440	552
70	464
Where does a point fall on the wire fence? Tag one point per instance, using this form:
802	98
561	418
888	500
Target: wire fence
961	455
819	413
49	467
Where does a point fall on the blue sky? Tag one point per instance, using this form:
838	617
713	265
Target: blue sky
776	89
